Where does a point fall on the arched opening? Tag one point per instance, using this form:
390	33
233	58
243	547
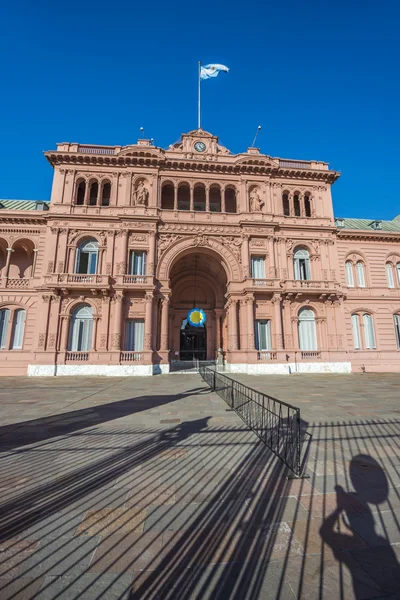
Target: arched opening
230	200
106	194
21	261
93	193
81	329
80	193
307	205
296	205
215	198
197	280
86	257
199	197
301	264
183	196
307	330
167	196
286	205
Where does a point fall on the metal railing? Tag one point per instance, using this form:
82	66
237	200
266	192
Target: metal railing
275	422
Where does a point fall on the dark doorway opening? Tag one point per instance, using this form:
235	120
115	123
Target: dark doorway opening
193	342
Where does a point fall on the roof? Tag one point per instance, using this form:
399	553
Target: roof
20	204
370	224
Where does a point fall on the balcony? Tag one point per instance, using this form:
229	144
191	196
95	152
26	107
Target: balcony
310	286
130	356
76	281
274	284
134	281
310	355
266	355
19	283
76	356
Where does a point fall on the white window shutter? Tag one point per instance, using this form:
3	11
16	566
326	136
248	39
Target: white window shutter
360	274
369	333
397	329
18	333
4	321
389	274
356	332
349	274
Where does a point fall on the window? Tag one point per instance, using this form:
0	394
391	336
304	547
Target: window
398	273
307	205
106	194
215	198
80	193
81	331
134	335
360	274
94	190
301	263
397	329
389	274
355	322
307	330
263	334
369	334
296	205
137	263
230	200
258	267
286	204
4	321
349	274
167	196
18	330
86	257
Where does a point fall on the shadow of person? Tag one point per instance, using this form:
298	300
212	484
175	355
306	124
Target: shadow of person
350	531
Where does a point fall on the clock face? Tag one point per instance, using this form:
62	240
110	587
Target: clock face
200	146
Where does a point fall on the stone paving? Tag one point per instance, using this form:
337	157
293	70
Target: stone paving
150	488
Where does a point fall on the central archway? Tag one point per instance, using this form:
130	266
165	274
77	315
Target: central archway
197	279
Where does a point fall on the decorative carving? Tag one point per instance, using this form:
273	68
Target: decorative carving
42	338
166	240
108	268
150	269
234	244
147	341
233	342
140	195
256	203
50	266
279	341
103	340
116	341
52	340
250	341
289	245
164	341
60	266
137	238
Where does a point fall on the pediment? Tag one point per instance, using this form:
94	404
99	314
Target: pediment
198	142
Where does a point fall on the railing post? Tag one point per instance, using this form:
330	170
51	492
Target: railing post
214	381
298	462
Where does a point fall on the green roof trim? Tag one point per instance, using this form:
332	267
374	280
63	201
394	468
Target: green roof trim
21	204
367	224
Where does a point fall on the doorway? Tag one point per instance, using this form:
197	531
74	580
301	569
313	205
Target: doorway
193	342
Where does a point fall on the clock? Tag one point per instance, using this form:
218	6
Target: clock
200	146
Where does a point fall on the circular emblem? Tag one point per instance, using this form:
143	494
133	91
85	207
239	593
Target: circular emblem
200	146
196	317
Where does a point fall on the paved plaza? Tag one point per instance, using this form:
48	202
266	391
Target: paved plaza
150	488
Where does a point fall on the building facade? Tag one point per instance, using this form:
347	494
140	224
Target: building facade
100	279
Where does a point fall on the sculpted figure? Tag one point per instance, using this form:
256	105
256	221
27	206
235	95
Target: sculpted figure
256	203
141	195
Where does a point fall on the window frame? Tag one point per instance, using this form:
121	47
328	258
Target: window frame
301	264
80	250
261	259
132	255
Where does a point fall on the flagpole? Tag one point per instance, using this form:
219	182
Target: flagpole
198	102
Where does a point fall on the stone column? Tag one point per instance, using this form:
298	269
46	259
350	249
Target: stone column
223	208
114	189
276	301
250	322
207	198
7	267
148	323
152	254
243	323
175	196
116	337
164	324
233	328
218	314
123	253
35	251
245	256
191	197
94	339
42	319
65	320
289	341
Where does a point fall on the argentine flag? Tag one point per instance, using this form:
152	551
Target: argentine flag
209	71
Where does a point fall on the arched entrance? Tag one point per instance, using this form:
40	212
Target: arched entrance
197	279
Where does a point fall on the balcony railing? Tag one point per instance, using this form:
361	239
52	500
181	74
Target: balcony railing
96	150
310	284
128	356
76	356
310	355
134	280
266	355
266	283
77	280
16	283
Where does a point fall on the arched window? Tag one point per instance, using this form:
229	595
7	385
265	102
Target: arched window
230	200
199	197
397	329
4	322
81	330
301	264
286	204
365	322
93	193
18	329
349	273
398	272
184	196
167	196
106	194
307	205
360	274
215	198
307	330
296	205
389	275
80	193
86	257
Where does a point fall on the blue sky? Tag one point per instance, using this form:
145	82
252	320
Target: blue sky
322	78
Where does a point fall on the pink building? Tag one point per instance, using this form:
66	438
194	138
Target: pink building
101	279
